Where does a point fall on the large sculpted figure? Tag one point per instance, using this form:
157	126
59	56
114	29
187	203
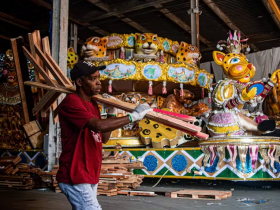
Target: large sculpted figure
229	96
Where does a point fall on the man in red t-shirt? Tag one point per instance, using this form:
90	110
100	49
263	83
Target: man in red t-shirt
82	134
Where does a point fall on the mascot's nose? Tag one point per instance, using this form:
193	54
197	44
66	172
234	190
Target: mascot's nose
149	43
250	66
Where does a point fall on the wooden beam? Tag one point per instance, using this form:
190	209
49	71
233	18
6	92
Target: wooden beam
49	66
58	88
46	101
4	37
131	9
38	67
226	19
273	10
105	7
47	50
42	3
180	22
20	80
99	30
14	21
58	70
35	39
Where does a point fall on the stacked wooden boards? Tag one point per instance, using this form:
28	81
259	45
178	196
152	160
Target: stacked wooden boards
20	175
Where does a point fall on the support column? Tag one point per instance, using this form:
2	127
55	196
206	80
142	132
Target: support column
74	36
193	23
59	53
197	25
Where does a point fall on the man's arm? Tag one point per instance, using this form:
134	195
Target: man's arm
106	136
110	124
107	125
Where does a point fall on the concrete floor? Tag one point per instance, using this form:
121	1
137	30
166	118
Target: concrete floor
246	195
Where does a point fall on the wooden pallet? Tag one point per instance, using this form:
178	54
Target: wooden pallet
201	194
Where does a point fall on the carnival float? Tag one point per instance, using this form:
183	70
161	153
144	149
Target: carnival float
145	68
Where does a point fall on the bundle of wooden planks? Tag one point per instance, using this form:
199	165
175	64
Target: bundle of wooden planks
19	175
116	177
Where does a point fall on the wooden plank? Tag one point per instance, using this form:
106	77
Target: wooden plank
47	50
50	67
25	77
51	101
47	87
37	76
58	69
43	102
38	67
20	81
37	42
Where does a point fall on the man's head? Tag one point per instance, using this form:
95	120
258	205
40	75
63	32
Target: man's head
86	76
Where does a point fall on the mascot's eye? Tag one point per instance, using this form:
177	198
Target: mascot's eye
143	99
154	39
192	48
143	38
234	60
95	40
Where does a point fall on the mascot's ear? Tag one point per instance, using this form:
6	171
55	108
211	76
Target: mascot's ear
175	48
137	36
105	40
218	57
183	44
70	49
176	92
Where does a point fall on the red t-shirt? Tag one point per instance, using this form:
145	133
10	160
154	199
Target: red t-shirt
81	157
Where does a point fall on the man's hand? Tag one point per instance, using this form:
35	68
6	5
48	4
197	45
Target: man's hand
112	111
139	112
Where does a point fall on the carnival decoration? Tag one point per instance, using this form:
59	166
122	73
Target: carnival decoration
188	53
155	56
231	94
94	49
146	44
235	131
9	91
72	59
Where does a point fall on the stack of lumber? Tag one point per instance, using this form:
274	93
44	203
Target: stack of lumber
19	175
116	177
